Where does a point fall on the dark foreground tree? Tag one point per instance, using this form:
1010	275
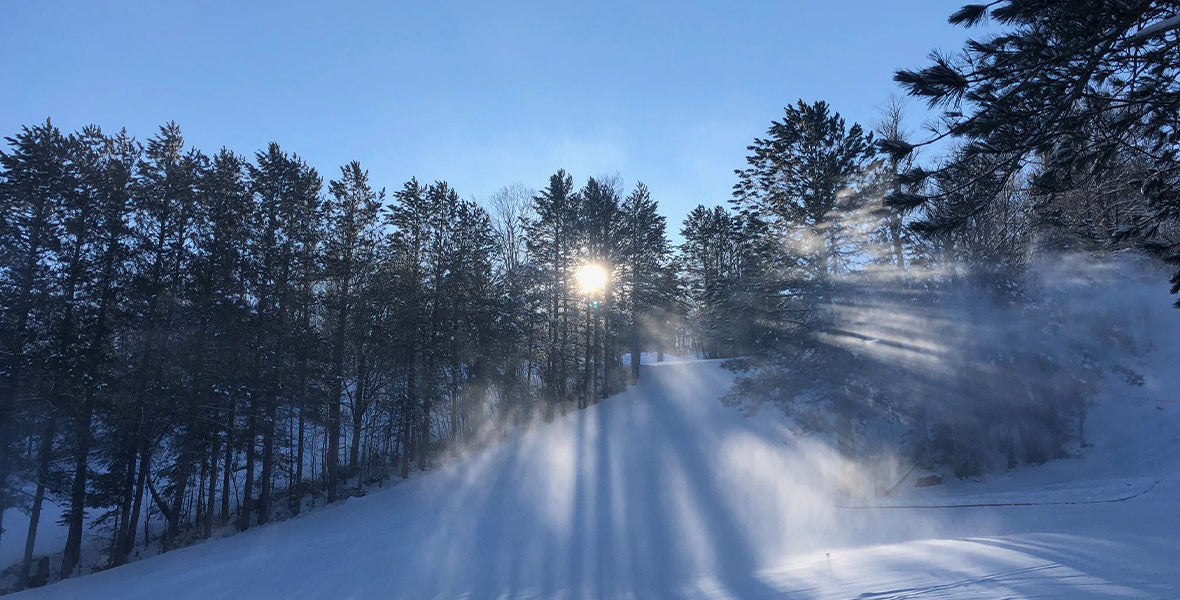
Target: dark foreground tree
1066	94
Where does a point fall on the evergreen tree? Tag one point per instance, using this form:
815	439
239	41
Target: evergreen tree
89	277
599	232
350	246
552	239
725	259
1076	88
410	218
33	188
645	255
798	204
469	318
795	177
222	277
163	213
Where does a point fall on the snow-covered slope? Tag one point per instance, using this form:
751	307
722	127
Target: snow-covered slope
663	492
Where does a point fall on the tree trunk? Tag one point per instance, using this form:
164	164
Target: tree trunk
358	413
73	550
180	488
406	431
332	457
636	323
227	472
117	545
297	485
587	397
895	227
212	495
604	348
43	460
202	480
635	354
454	404
248	489
423	431
145	462
268	459
337	390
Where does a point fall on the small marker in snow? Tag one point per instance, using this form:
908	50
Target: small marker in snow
829	555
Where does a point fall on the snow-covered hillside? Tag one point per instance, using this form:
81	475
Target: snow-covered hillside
664	492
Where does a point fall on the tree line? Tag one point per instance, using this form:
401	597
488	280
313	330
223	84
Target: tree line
222	340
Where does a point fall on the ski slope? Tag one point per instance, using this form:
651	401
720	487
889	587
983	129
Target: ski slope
663	492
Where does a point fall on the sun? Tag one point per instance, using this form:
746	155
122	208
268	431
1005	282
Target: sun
591	278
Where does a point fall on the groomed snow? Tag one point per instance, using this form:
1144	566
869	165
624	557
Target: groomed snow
663	492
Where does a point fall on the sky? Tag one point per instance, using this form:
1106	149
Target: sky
480	94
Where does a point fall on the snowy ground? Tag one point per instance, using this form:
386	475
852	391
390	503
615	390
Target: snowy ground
662	492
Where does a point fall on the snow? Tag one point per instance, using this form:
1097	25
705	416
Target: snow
648	358
664	492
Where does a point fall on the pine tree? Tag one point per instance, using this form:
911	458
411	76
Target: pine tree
221	280
93	248
350	245
795	200
551	244
305	340
469	319
599	232
286	193
32	188
795	177
645	256
409	218
711	257
1077	88
165	219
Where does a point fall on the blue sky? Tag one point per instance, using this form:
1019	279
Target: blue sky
481	94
